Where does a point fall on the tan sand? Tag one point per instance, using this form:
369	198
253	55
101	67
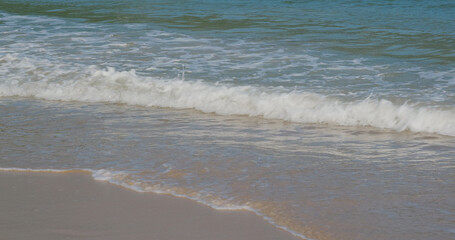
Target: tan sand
74	206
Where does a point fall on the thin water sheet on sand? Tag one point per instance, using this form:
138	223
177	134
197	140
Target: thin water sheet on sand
74	206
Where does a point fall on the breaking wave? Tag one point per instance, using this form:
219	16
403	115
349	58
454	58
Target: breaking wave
108	85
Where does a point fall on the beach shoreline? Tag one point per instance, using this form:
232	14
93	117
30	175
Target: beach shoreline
74	205
218	120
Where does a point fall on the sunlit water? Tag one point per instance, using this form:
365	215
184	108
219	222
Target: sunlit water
329	119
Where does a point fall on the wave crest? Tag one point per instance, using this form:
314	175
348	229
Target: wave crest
109	85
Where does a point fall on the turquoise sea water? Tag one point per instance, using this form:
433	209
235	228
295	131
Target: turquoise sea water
328	118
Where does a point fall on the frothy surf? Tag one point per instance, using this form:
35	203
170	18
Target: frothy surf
123	179
93	84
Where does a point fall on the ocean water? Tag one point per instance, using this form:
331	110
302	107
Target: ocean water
330	119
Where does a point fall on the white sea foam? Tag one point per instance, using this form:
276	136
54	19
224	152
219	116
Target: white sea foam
108	85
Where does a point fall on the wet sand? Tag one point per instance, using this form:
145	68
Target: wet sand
74	206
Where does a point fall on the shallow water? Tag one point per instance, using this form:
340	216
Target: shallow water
325	118
348	182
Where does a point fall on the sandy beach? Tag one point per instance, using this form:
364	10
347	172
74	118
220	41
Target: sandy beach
74	206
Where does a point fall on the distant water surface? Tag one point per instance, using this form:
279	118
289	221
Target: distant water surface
331	119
